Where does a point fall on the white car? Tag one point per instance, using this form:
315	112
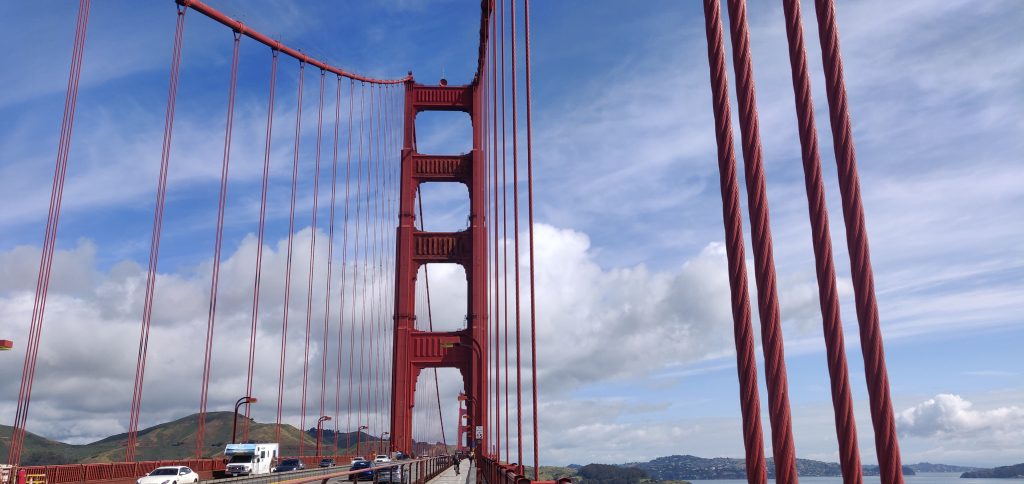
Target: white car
381	458
169	475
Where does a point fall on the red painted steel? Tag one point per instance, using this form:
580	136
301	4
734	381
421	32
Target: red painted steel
533	291
821	238
154	247
886	443
761	238
259	241
326	335
288	262
344	270
414	350
515	237
312	261
211	316
49	238
746	361
242	29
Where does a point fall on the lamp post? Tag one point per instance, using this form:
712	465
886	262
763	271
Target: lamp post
234	421
320	431
381	446
471	438
359	438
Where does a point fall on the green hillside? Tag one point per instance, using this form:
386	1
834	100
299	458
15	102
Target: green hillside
171	440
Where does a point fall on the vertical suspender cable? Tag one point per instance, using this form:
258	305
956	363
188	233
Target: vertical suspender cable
288	263
259	240
886	444
497	299
312	260
366	350
761	238
330	253
49	237
430	323
504	231
529	184
154	247
344	270
211	316
515	238
746	361
362	271
371	252
355	272
821	238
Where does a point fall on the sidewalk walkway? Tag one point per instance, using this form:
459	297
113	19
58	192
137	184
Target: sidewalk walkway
467	474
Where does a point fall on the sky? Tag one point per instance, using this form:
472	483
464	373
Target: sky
635	355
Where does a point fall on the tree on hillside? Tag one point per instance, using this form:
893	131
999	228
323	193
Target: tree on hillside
608	474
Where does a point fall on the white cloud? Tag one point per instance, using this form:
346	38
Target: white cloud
952	417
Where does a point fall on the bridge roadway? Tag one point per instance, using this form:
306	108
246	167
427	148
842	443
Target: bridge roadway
433	470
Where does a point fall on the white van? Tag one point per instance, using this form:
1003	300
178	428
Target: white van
250	459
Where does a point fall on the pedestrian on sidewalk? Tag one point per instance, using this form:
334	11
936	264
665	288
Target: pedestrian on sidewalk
455	463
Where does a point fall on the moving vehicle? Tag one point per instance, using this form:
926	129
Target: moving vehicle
249	459
389	474
169	475
328	462
381	458
366	475
290	465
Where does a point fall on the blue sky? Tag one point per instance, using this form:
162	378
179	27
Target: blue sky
635	335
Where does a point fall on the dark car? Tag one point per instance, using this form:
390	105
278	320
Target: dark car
290	465
327	463
366	475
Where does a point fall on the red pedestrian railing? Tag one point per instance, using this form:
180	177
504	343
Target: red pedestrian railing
494	472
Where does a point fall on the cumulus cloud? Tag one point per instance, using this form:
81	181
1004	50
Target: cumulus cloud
951	416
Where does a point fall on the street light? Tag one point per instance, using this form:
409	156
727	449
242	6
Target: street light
359	438
234	422
320	431
381	446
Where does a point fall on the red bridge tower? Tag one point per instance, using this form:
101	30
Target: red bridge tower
415	349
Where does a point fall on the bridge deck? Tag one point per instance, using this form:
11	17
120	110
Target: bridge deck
466	475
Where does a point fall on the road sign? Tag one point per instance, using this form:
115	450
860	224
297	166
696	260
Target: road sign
479	431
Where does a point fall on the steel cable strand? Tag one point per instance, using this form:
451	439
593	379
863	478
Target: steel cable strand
846	429
355	274
365	270
761	238
326	335
529	183
154	247
344	267
504	231
746	361
515	238
259	241
50	235
497	294
218	243
886	443
373	163
288	260
312	263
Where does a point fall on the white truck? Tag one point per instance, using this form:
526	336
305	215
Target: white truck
250	459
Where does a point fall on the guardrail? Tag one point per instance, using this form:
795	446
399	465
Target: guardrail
493	472
415	471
